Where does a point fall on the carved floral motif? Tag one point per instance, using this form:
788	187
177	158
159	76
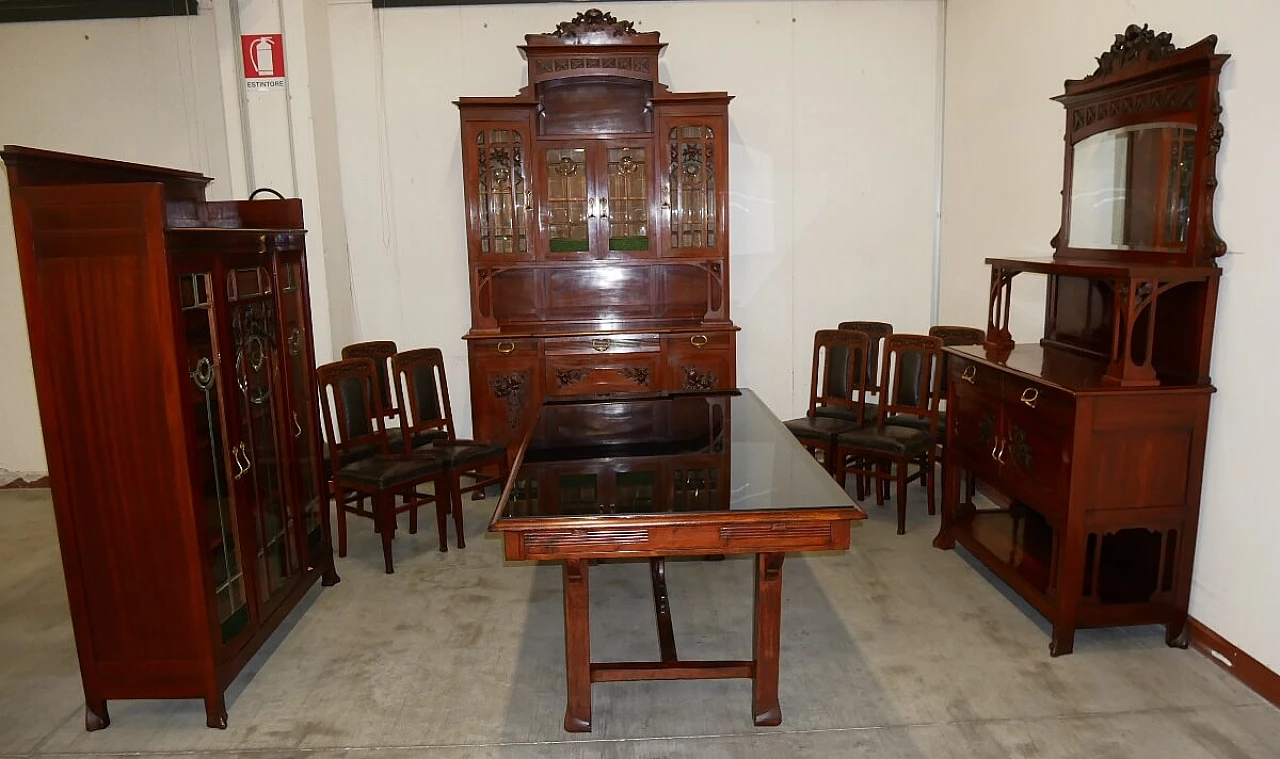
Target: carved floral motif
1138	43
637	374
594	22
696	379
567	377
510	388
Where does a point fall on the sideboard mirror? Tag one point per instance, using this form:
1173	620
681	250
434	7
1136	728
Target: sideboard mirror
1142	139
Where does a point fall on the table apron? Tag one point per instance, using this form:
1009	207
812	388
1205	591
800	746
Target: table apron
626	540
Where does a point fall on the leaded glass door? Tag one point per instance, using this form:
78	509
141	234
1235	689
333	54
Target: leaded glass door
570	202
624	202
204	395
693	203
299	425
260	413
501	208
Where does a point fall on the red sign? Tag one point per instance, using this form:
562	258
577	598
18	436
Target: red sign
263	56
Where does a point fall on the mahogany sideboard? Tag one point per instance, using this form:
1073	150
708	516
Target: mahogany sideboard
1090	446
171	342
597	229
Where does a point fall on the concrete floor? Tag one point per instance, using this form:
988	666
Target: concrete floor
890	650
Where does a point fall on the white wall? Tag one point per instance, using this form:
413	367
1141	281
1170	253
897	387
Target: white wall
1003	174
832	162
143	90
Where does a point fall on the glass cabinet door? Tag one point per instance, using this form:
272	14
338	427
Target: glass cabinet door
503	201
256	351
570	206
299	426
691	195
203	394
625	206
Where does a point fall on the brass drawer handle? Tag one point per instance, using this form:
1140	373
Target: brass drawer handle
970	372
506	346
1029	396
698	341
600	345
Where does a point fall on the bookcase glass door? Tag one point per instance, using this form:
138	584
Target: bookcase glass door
202	392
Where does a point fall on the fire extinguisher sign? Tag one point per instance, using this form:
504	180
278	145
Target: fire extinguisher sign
263	56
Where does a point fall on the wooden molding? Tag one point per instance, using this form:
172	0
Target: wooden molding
1248	670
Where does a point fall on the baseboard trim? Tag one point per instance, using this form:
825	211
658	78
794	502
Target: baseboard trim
1242	666
39	482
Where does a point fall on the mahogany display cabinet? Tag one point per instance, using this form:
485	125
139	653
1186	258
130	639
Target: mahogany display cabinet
597	229
173	357
1090	446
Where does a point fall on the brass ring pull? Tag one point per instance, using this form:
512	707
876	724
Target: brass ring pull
248	463
698	341
995	448
970	372
604	208
297	428
1029	396
591	208
262	244
601	345
506	346
1000	458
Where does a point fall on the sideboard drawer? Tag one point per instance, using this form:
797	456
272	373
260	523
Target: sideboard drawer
962	372
569	375
519	347
1039	404
590	345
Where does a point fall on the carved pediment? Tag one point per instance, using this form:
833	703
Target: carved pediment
1138	43
594	26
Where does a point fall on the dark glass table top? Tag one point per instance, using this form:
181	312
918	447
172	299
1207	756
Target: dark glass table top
679	454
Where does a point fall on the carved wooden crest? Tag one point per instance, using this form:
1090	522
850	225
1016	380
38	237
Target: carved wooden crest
1138	43
594	23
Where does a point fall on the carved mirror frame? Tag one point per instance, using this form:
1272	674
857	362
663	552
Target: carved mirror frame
1145	79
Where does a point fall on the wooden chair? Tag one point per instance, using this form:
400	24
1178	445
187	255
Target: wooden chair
381	352
837	384
361	460
876	332
422	394
884	452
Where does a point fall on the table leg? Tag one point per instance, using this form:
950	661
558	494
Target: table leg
577	646
662	608
767	639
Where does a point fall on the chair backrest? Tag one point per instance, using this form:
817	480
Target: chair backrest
912	368
381	351
353	412
951	335
876	332
838	378
422	392
958	335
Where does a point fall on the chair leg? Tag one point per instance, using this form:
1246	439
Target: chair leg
413	512
384	516
455	503
342	524
442	522
933	508
902	497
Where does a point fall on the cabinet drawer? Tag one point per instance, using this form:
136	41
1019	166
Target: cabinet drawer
1039	405
698	341
604	373
962	372
518	348
590	345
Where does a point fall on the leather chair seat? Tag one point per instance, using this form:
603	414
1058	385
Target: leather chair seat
461	453
823	428
897	440
390	471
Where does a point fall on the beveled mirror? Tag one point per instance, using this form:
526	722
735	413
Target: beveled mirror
1142	140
